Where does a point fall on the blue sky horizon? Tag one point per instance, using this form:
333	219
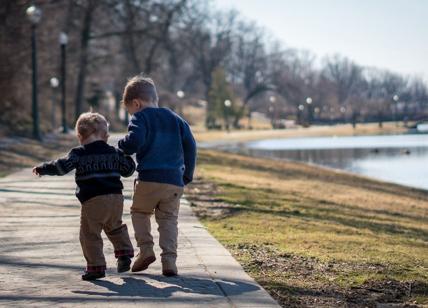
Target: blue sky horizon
385	34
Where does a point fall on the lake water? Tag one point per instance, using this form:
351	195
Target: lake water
401	159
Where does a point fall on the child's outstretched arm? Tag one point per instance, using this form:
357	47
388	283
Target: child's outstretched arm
189	150
127	164
135	138
60	166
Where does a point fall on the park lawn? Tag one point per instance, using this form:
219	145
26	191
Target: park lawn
313	236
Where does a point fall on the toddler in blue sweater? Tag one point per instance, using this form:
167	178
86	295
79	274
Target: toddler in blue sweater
166	157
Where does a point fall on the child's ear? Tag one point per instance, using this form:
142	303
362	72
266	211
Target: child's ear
137	103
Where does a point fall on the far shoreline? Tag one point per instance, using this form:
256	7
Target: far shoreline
216	137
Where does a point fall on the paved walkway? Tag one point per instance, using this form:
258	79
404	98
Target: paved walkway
41	260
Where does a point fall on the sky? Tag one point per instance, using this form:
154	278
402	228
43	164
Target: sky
391	34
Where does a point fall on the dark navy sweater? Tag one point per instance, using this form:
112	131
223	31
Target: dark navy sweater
164	144
98	169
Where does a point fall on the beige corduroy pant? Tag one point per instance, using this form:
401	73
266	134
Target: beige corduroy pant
103	213
164	201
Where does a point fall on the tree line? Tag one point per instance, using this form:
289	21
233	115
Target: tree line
197	55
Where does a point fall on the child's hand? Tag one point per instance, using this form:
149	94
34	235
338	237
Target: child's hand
35	172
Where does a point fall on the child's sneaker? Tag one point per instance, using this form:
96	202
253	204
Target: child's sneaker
143	261
93	275
169	268
123	264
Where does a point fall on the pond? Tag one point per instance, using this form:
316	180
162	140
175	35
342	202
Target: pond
401	159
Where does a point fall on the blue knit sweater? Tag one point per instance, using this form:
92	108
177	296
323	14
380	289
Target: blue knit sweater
164	144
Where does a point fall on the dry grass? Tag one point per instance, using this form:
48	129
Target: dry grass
349	232
19	152
203	135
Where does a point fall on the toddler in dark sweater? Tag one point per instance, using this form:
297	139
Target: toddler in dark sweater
99	167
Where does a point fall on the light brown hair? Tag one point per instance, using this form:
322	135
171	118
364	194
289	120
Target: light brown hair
90	123
140	87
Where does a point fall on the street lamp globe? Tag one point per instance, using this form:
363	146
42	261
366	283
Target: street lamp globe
180	94
54	82
309	100
272	99
63	38
395	98
301	107
34	14
342	109
153	18
227	103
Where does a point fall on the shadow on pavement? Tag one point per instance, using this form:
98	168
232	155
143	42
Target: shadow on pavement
163	287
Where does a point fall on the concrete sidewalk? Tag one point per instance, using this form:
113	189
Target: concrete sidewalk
41	260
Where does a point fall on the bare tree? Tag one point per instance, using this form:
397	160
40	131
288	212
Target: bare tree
88	9
347	77
248	65
294	78
209	42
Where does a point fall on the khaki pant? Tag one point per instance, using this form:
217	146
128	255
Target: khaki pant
164	201
103	213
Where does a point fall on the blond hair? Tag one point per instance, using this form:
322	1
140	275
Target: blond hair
140	87
90	123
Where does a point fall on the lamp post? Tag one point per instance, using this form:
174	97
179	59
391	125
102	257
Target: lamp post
227	105
273	110
342	111
34	14
180	95
309	102
54	82
299	113
272	116
396	99
63	40
317	111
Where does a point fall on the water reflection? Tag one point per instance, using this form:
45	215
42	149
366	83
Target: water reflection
399	159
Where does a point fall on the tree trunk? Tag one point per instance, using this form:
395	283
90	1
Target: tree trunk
380	115
83	61
354	119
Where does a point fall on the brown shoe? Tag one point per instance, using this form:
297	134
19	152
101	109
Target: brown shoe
169	268
142	262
